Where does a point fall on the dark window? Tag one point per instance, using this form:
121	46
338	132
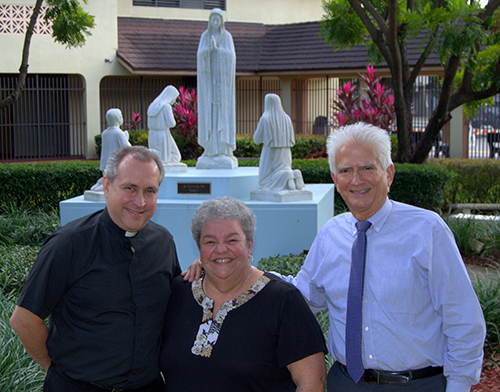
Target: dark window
199	4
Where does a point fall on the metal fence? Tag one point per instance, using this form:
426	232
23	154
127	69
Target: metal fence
46	122
133	94
484	131
312	104
250	95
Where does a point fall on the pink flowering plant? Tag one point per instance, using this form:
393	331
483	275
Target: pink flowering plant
376	108
186	118
133	125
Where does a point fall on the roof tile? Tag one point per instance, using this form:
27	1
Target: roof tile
158	45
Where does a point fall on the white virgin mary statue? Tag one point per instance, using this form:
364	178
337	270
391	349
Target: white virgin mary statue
216	67
277	180
160	120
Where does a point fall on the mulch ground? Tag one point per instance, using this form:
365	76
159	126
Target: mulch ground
490	375
490	380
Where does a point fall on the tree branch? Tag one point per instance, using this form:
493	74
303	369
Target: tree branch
23	70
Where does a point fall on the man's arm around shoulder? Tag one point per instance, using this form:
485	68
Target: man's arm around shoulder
33	333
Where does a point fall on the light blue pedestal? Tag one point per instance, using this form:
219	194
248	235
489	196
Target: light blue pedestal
282	228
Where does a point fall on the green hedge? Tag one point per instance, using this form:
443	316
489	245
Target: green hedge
476	180
306	146
421	185
434	185
45	184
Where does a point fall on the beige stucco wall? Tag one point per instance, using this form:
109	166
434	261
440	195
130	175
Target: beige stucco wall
255	11
48	57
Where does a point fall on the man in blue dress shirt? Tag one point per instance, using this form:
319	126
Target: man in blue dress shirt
422	325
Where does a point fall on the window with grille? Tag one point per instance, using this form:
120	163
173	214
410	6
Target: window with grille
48	121
198	4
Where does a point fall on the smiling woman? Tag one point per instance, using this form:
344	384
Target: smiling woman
241	328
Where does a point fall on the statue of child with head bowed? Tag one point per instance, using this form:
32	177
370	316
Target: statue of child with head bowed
112	139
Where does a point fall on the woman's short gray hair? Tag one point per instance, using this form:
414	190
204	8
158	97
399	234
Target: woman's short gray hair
227	208
376	137
140	153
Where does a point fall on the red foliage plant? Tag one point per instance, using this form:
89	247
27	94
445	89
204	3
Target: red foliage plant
132	126
186	118
376	108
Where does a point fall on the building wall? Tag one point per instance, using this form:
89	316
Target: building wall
255	11
47	57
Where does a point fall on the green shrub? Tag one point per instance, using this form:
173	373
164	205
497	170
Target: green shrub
98	144
138	137
488	293
309	146
246	147
468	231
476	180
314	171
44	184
306	146
421	185
248	162
20	226
18	372
285	265
15	264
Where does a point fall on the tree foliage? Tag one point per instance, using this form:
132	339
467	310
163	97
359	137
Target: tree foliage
463	34
70	26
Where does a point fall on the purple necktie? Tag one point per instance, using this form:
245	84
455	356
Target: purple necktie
354	304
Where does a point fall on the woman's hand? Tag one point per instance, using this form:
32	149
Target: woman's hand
193	272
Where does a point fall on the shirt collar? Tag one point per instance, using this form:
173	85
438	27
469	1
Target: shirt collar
377	220
113	226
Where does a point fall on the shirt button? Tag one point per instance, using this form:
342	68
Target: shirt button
366	328
370	356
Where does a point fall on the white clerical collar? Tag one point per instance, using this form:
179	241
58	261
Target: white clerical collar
130	233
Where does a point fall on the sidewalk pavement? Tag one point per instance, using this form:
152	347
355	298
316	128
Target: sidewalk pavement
482	272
